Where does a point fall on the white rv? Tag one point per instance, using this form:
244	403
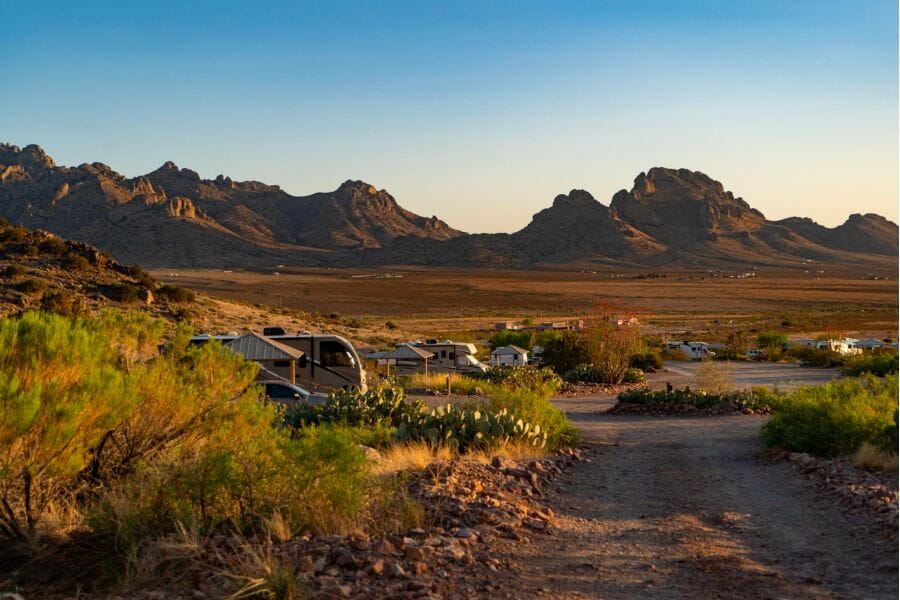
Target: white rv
695	350
328	361
442	357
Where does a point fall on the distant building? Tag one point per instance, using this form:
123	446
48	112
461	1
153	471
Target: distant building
509	355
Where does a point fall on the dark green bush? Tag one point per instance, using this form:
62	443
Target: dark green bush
76	262
755	399
176	293
63	303
633	375
53	245
123	292
878	364
509	337
143	278
521	376
835	419
14	235
565	352
817	357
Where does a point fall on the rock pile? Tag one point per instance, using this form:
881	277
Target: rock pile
869	493
469	505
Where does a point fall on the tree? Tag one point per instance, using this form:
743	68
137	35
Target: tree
565	352
772	340
612	337
508	337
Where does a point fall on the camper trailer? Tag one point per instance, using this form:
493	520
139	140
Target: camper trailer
433	356
327	361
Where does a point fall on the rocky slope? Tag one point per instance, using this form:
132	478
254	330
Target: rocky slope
173	217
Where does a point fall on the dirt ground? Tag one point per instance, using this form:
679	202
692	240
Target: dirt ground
458	302
690	508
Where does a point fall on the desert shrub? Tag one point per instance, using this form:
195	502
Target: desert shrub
835	419
143	278
755	399
183	315
508	337
76	262
610	346
674	354
816	357
53	245
176	293
583	374
62	303
565	352
533	406
14	271
714	377
15	235
879	364
380	406
459	384
391	325
468	428
30	250
633	375
647	360
32	286
123	292
521	376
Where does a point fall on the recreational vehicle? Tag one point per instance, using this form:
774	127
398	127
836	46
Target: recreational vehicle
325	361
432	356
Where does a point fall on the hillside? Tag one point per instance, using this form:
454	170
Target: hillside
173	217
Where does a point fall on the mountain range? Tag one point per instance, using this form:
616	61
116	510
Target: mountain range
172	217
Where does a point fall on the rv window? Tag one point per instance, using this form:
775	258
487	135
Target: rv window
443	354
335	354
452	355
282	363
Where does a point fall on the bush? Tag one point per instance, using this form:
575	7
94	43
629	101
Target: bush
14	271
521	376
565	352
508	337
714	377
772	340
755	399
674	354
835	419
583	374
817	357
62	303
32	286
143	278
878	364
647	360
176	293
391	325
15	235
76	262
533	405
610	346
633	376
53	245
123	292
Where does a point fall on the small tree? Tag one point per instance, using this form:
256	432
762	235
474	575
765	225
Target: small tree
509	337
612	337
565	352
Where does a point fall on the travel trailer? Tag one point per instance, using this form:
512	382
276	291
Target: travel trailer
695	350
326	362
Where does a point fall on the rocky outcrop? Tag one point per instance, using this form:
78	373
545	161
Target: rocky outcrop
174	217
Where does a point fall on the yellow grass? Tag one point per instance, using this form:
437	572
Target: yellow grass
459	384
873	458
418	455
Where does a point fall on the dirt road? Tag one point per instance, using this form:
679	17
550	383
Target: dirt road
686	508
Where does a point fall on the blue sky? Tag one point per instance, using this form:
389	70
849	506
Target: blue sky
478	112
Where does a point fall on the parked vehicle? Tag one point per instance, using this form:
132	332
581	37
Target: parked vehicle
288	393
328	361
447	357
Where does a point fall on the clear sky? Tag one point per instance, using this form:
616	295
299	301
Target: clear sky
479	112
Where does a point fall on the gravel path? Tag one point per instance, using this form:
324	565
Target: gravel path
686	508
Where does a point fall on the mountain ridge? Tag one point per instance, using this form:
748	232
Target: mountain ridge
173	217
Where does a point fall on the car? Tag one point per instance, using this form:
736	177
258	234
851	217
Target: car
288	393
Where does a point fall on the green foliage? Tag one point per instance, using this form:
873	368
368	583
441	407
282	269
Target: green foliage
385	406
772	340
647	360
509	337
835	419
521	376
817	357
755	399
878	363
633	375
532	404
53	245
176	293
143	278
565	352
465	428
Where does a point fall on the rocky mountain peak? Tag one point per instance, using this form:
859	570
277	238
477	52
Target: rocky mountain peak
32	157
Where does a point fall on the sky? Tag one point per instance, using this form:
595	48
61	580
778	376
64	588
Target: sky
477	112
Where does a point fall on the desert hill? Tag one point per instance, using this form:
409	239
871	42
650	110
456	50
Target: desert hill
173	217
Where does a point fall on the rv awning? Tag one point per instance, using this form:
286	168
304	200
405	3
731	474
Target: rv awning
407	352
255	347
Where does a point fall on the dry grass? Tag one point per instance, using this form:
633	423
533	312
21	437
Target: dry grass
418	455
715	377
260	573
459	384
871	457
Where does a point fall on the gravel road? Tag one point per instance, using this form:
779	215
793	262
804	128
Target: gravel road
687	508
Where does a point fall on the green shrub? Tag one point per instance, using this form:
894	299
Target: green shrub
30	250
521	376
143	278
380	406
533	406
879	364
647	360
633	375
565	352
509	337
772	340
755	399
835	419
32	286
817	357
465	428
176	293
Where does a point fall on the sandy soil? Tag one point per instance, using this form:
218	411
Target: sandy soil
687	508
